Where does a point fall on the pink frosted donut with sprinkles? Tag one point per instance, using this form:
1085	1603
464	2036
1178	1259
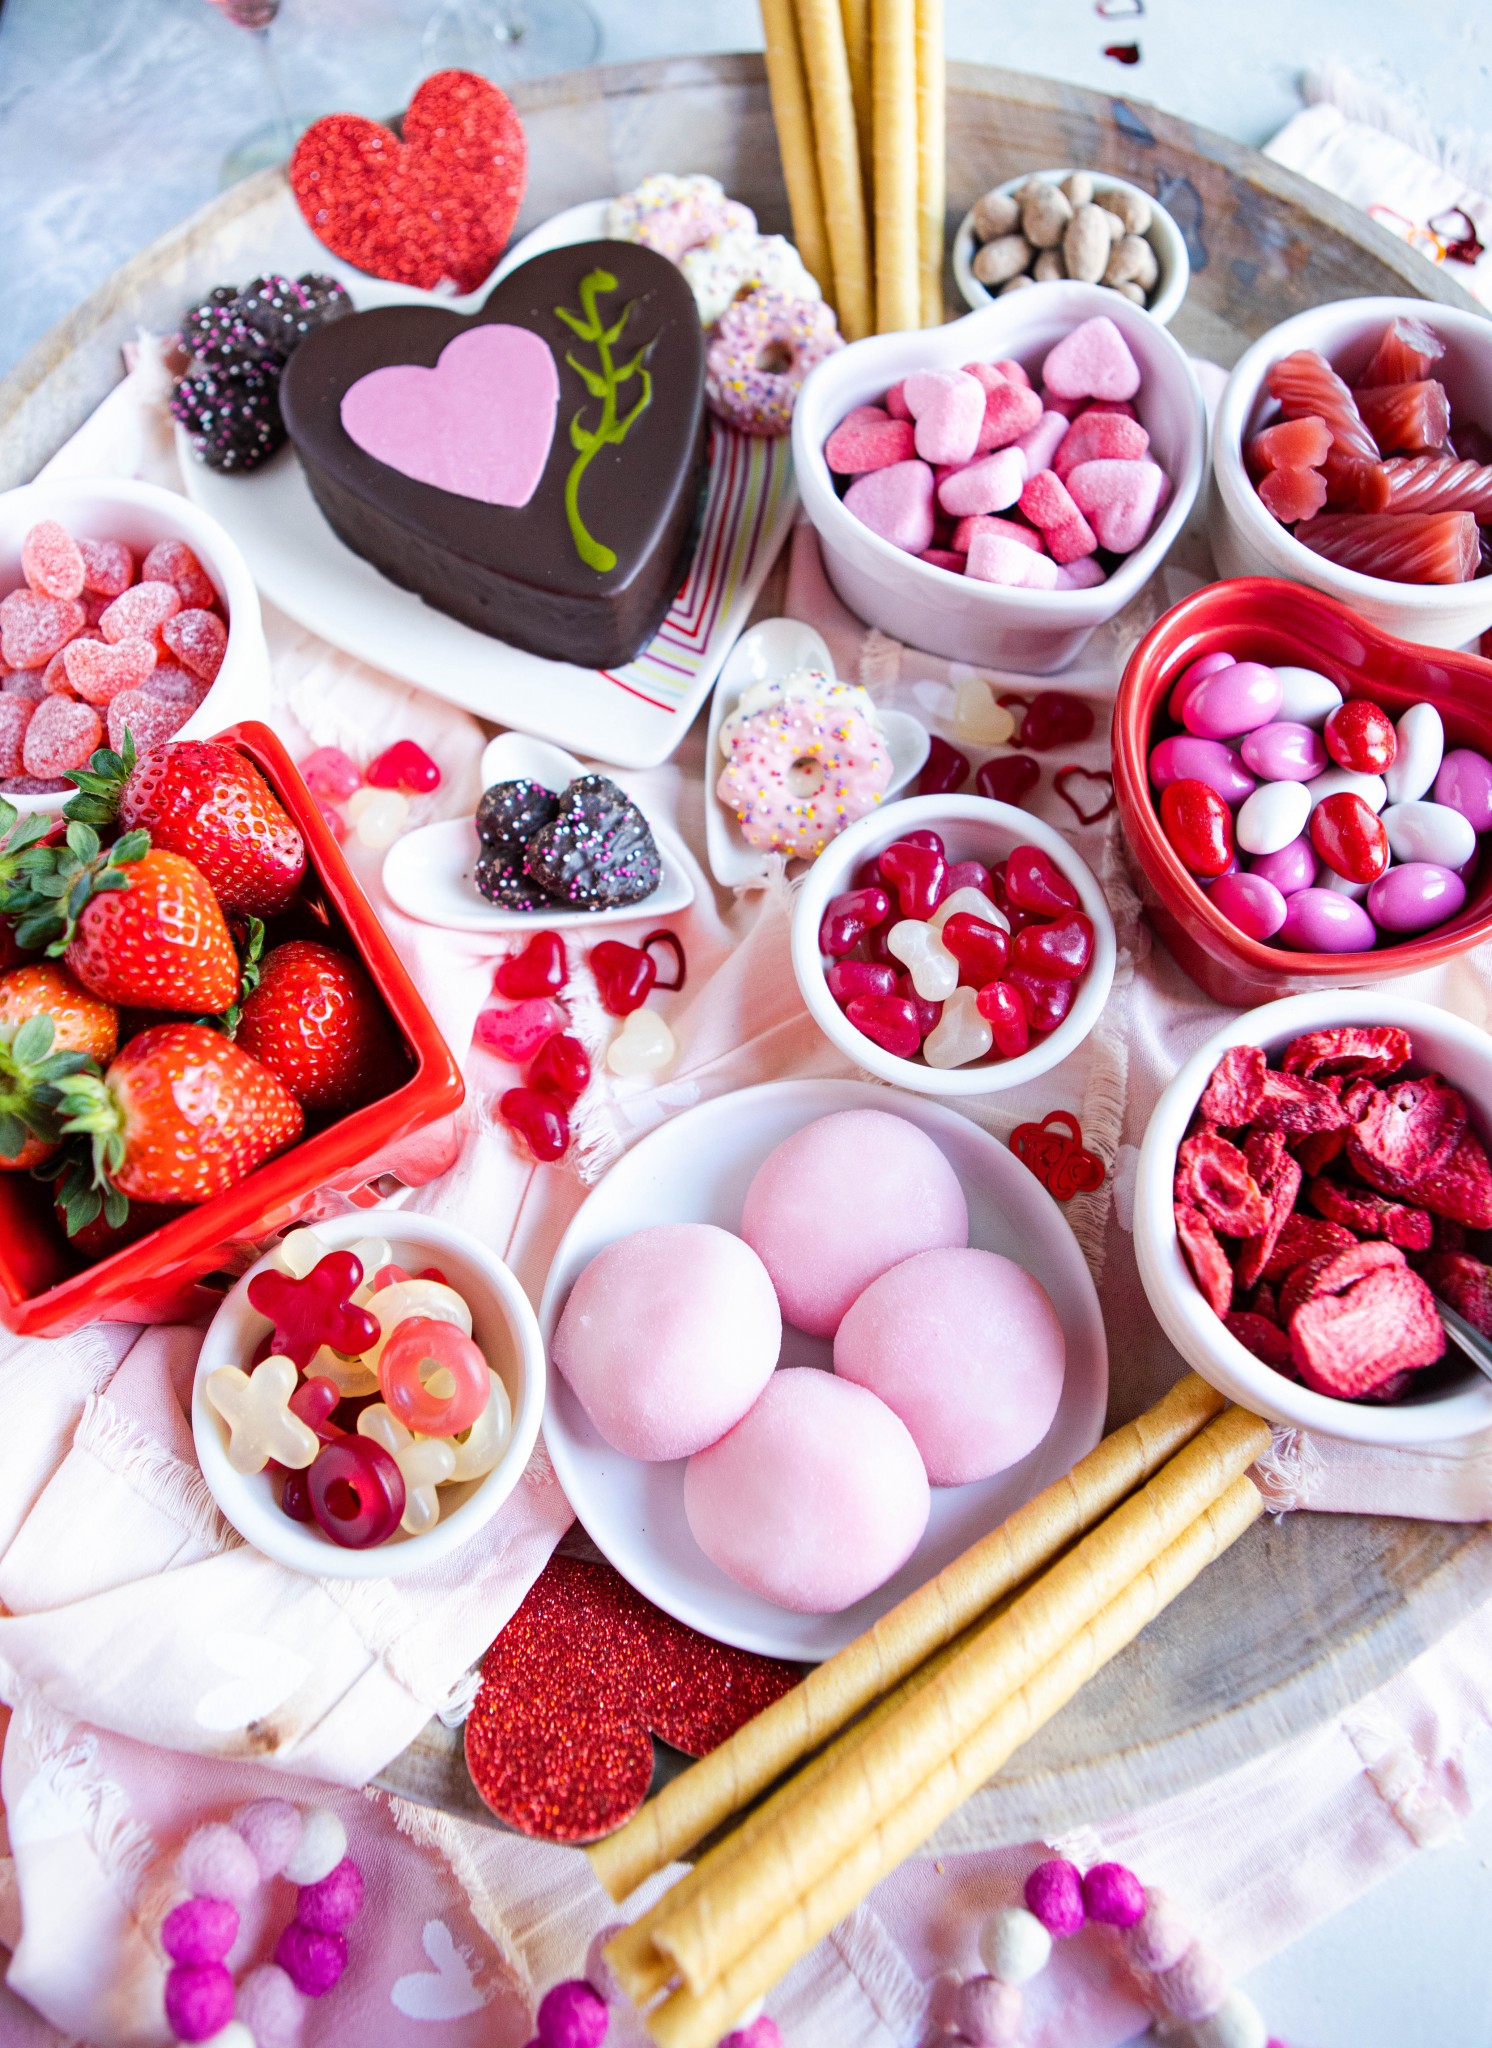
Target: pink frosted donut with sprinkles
674	215
764	347
805	756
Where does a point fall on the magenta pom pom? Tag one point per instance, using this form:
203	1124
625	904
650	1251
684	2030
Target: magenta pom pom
1161	1938
313	1962
271	2008
332	1903
598	1973
200	1930
1113	1895
199	2000
217	1863
988	2012
271	1827
572	2015
1194	1988
1054	1893
763	2032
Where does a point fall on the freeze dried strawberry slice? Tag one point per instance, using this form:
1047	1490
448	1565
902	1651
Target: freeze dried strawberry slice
1446	1236
1213	1176
1264	1302
1371	1215
1358	1097
1206	1257
1269	1344
1461	1189
1365	1323
1232	1095
1316	1149
1464	1284
1407	1131
1350	1049
1303	1239
1331	1274
1277	1177
1287	1103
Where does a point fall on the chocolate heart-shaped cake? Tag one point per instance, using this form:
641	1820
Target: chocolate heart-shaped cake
534	468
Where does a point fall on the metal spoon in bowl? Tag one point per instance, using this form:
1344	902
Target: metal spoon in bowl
1467	1338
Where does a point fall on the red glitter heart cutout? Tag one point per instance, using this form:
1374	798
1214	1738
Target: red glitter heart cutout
1054	1151
1098	776
558	1744
438	206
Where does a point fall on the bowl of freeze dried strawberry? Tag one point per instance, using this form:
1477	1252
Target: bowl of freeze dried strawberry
1313	1183
120	604
1352	450
203	1029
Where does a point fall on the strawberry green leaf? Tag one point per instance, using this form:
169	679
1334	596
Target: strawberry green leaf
32	1040
13	1134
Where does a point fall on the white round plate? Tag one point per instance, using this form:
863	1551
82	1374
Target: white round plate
772	648
696	1169
430	873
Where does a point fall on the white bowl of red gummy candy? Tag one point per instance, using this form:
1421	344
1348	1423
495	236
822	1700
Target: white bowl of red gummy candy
1034	463
1352	450
1313	1178
121	604
368	1395
953	945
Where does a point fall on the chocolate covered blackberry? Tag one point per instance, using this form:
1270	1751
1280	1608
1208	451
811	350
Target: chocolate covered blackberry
285	310
515	811
232	416
599	852
500	878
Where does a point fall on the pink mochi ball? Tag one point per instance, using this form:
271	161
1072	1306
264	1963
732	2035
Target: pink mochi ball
841	1202
966	1348
814	1499
668	1337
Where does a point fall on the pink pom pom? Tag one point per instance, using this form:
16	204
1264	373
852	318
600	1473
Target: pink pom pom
200	1931
598	1973
1161	1938
762	2033
271	2008
1194	1988
988	2012
334	1901
199	2000
1054	1893
271	1827
217	1863
572	2015
313	1962
1113	1895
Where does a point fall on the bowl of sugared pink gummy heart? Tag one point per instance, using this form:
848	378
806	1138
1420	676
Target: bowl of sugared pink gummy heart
904	572
1299	1209
953	945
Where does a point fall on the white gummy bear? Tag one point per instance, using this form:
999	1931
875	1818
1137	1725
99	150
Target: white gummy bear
920	949
960	1034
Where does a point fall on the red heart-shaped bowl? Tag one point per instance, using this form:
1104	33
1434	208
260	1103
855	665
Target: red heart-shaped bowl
1257	618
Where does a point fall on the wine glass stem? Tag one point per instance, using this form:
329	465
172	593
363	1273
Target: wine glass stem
275	86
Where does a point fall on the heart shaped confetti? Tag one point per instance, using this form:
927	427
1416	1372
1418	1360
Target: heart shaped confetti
1055	1153
1097	781
558	1742
435	208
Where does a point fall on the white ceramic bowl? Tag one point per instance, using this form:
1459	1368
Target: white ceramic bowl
1035	631
1247	541
1444	1044
503	1324
106	508
972	828
1163	235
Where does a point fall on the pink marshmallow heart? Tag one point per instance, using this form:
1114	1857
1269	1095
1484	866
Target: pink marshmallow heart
867	439
994	559
1093	361
1100	437
1119	499
1047	504
948	406
964	532
896	401
988	485
943	558
896	503
1010	410
1083	574
1041	444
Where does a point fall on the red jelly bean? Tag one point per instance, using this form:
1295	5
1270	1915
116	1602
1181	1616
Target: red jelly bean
1002	1007
1033	882
563	1068
1360	736
1199	826
356	1492
890	1022
944	770
1350	837
1008	778
848	979
316	1309
848	918
969	874
540	1119
541	969
928	1012
623	975
313	1401
1054	952
1046	1002
919	875
1055	719
405	765
980	948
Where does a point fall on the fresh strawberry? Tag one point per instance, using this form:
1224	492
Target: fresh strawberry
181	1114
315	1020
50	1029
204	800
98	1239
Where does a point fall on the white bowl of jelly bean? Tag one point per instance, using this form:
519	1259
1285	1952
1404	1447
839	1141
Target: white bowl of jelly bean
1316	823
368	1394
953	945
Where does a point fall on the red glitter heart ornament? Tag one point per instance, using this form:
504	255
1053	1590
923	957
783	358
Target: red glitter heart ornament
1054	1151
1098	779
558	1742
437	206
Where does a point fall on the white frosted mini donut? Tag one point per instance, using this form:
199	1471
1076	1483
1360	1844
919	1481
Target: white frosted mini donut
662	188
730	266
805	756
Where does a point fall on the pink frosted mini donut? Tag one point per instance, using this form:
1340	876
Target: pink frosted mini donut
690	222
805	756
814	1499
764	347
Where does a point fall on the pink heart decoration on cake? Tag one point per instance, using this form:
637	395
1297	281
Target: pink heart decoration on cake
478	425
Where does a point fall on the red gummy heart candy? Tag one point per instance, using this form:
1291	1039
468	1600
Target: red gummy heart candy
517	1034
944	770
919	875
1008	778
928	1012
970	874
541	969
1034	882
1053	952
848	918
1055	719
540	1119
623	974
563	1068
1199	826
405	765
1046	1002
437	206
980	948
890	1022
316	1309
847	979
1003	1010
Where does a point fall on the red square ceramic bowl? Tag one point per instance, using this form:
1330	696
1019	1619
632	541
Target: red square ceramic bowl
43	1289
1257	618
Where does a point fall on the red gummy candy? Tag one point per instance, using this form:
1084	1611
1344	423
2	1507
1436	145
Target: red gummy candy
356	1492
1360	736
869	439
33	628
980	948
199	640
1401	547
108	567
944	770
562	1069
316	1309
541	968
1407	353
51	562
1003	1010
1307	386
1048	505
970	874
890	1022
1436	483
98	671
1292	494
1406	419
148	720
540	1119
918	873
172	561
928	1013
60	735
15	716
1052	952
517	1034
1034	882
140	611
1055	718
1214	1176
848	918
314	1401
847	979
1206	1257
1349	836
623	976
1047	1002
1199	826
405	765
1008	778
1302	443
329	772
295	1497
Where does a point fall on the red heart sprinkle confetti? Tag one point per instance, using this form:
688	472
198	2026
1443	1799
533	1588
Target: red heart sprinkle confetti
1055	1153
1103	786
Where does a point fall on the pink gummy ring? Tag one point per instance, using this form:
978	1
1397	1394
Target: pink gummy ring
425	1341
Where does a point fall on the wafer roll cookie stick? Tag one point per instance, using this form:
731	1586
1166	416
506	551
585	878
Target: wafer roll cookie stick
826	65
893	57
855	14
697	2020
932	155
702	1798
788	86
749	1887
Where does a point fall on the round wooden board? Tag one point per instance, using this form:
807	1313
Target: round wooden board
1304	1617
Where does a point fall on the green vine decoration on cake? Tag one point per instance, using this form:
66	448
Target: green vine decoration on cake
604	384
